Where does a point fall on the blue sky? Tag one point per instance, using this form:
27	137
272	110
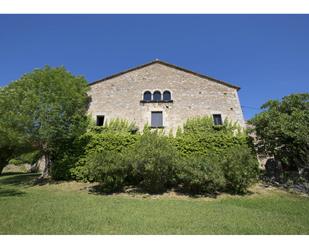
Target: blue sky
266	55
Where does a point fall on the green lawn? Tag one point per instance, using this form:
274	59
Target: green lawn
67	208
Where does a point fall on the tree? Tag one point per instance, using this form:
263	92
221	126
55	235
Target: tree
282	130
44	109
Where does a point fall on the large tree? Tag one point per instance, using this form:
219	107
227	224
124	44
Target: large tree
282	130
44	109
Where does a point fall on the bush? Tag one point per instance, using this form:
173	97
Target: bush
200	136
96	142
109	141
202	159
65	159
240	168
201	175
153	160
107	168
26	157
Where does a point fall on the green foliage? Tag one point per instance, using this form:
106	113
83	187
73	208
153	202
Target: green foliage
240	167
10	148
6	153
200	136
109	141
214	156
199	159
7	148
107	167
153	160
66	157
201	174
282	130
96	141
15	161
27	157
44	109
204	124
115	126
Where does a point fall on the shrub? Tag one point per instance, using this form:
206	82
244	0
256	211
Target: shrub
109	141
240	168
200	136
65	159
153	160
107	168
96	142
201	175
26	157
156	162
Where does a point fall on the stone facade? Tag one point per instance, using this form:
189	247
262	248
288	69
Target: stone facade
192	94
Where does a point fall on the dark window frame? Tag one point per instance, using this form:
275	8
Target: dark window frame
217	118
149	94
155	94
164	96
100	120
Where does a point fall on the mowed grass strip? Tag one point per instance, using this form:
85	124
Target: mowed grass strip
68	208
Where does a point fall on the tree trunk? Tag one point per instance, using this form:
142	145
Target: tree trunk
39	165
47	166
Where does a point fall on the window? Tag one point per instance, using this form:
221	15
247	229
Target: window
157	96
166	95
100	120
156	119
147	96
217	119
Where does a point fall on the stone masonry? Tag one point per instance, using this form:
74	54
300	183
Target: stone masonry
192	94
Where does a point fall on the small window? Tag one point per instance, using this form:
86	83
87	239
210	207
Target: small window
147	96
217	119
100	120
166	95
157	96
156	119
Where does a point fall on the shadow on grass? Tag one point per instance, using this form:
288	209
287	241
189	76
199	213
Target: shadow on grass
137	191
10	193
11	173
18	179
32	179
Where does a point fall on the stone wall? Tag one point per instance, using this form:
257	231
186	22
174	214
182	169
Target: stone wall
120	97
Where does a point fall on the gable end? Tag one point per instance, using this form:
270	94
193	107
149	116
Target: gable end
168	65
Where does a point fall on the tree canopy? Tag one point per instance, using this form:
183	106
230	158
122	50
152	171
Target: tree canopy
282	130
43	110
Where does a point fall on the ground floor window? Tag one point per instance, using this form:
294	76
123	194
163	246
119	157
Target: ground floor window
100	120
217	119
156	119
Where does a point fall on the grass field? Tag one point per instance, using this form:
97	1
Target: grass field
69	208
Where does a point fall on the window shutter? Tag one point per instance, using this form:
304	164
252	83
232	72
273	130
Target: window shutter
156	119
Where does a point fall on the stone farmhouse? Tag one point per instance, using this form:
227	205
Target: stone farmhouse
164	96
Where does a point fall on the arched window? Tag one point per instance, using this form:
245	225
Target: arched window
166	95
157	96
147	96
